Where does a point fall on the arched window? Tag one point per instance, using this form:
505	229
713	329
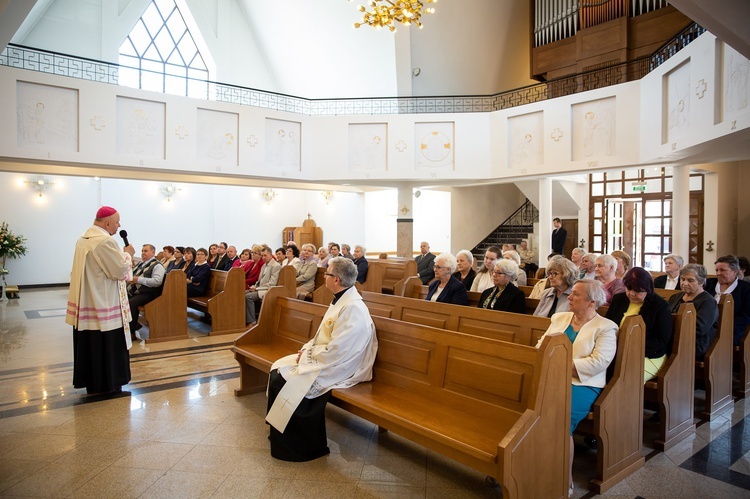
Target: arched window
160	54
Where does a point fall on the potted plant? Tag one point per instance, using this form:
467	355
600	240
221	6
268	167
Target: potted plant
11	246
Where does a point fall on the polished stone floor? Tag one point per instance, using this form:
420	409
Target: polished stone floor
179	431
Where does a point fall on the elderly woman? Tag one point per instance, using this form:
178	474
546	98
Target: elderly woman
728	280
178	261
588	266
520	279
594	341
623	263
604	269
323	257
361	262
561	275
483	279
446	288
692	278
504	296
670	280
576	256
640	299
464	272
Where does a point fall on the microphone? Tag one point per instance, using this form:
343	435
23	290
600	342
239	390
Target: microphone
124	236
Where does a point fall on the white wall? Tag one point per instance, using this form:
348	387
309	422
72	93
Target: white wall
197	216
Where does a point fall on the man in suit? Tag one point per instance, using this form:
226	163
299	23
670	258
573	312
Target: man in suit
670	280
231	257
221	257
727	281
269	276
559	235
148	279
425	262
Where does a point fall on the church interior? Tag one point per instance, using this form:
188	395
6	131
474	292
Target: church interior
262	115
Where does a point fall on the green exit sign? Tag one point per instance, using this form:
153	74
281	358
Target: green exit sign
639	188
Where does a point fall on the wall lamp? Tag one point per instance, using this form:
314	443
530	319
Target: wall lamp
169	190
327	195
268	195
39	184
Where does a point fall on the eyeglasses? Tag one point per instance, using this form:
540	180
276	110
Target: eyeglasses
329	275
438	267
496	272
553	273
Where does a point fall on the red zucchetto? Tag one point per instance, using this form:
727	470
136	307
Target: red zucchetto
105	211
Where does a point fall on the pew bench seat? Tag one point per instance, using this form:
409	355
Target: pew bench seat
224	301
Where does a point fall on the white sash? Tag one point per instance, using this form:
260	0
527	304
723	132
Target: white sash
290	395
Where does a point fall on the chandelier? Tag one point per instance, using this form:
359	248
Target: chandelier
385	12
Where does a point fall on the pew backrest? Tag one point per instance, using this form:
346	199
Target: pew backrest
505	326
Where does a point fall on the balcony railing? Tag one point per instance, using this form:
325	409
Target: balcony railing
17	56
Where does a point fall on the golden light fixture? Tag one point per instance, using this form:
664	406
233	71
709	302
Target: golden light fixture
327	195
268	195
169	190
39	184
386	12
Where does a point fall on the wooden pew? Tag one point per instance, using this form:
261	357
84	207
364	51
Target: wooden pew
395	273
224	301
504	408
716	368
494	406
166	316
413	288
288	279
616	420
742	361
504	326
375	274
672	392
374	283
666	293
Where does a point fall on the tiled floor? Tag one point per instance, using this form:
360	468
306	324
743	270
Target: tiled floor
181	432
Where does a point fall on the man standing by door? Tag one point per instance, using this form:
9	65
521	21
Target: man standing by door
559	235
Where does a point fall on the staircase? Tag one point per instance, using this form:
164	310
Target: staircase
515	228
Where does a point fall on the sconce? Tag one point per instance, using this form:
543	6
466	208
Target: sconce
582	243
39	184
327	195
710	246
169	190
268	195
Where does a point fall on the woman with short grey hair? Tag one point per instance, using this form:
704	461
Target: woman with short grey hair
588	266
605	268
692	279
464	271
503	296
446	288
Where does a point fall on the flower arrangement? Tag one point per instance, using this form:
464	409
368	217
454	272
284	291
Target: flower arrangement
11	246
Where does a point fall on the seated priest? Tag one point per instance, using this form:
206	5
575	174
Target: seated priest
340	355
